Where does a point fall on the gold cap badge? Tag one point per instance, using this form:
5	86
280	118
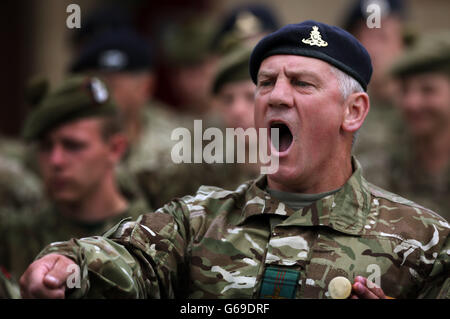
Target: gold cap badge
315	38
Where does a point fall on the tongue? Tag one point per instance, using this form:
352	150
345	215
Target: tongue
285	137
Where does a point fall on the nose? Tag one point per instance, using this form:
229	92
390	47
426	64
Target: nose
57	156
410	100
281	94
242	112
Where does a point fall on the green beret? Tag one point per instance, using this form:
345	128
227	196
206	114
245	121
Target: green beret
187	42
232	68
78	97
430	53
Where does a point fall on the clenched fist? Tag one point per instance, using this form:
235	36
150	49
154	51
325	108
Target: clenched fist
46	277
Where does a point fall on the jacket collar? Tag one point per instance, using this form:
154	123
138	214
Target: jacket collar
345	211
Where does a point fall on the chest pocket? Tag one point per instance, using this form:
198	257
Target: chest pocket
334	254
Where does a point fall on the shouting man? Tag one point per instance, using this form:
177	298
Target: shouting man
315	219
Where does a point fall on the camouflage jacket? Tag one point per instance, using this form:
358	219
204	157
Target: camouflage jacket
409	179
9	289
220	244
20	185
23	236
376	140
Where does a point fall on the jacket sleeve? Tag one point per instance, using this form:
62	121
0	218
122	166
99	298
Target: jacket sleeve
146	258
437	285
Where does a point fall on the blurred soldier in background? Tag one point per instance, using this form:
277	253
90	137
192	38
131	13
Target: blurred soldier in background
384	43
421	156
234	90
244	24
123	59
189	64
79	143
234	102
112	16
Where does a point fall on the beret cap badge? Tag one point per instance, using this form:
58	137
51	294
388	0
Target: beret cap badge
99	91
315	38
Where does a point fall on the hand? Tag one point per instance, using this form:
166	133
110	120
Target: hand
46	277
361	290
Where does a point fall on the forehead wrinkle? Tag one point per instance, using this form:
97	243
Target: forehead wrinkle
300	66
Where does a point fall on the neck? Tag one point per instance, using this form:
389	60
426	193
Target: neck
327	177
133	125
104	202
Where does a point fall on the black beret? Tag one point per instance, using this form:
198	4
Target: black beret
358	11
108	16
317	40
114	50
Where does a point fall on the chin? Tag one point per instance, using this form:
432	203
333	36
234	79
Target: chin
64	197
421	129
286	176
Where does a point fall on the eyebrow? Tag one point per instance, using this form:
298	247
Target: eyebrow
310	74
266	73
270	73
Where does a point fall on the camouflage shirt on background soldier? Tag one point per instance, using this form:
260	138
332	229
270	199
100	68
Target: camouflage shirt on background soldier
375	140
23	238
408	179
20	186
9	289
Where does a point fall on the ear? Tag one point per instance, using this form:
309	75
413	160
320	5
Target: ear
356	108
118	145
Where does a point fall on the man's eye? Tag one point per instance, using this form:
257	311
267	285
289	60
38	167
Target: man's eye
73	146
265	83
226	99
300	83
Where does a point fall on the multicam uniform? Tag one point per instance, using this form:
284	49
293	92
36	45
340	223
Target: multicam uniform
9	289
409	179
23	237
375	140
232	244
20	186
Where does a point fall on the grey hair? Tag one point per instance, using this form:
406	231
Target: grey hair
347	86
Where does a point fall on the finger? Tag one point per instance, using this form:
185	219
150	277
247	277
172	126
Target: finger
32	278
36	289
57	275
353	296
360	279
375	289
363	292
42	292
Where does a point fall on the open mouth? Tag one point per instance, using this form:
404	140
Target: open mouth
285	136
